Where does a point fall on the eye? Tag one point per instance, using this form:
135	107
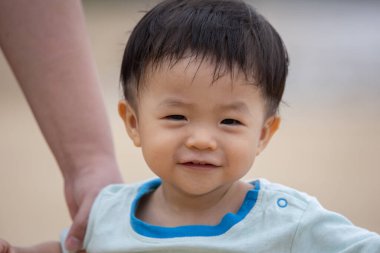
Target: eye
175	117
230	122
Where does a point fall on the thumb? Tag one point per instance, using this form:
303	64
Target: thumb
75	237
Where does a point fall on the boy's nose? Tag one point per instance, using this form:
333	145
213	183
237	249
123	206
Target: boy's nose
201	140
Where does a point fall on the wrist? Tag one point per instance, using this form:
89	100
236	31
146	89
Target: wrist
89	166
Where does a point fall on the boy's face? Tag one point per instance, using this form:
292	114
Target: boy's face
198	136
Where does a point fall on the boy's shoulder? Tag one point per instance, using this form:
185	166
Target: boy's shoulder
116	189
112	203
127	192
313	228
284	195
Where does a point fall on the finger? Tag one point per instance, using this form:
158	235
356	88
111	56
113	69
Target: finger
4	246
74	240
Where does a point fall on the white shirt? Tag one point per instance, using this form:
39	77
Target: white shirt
272	218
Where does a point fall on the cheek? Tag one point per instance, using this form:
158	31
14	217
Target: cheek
158	148
242	151
156	158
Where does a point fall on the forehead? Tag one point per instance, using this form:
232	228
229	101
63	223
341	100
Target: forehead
191	82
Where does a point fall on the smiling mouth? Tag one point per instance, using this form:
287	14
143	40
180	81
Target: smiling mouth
199	165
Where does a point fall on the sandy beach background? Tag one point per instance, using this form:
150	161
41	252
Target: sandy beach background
328	144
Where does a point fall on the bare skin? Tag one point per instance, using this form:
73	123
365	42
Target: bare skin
47	247
160	209
47	47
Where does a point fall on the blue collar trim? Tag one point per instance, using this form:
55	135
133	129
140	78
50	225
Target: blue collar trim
226	223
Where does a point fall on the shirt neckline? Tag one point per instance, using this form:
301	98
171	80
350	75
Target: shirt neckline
228	220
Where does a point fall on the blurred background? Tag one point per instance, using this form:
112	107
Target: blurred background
328	144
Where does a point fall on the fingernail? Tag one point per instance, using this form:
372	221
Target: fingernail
73	244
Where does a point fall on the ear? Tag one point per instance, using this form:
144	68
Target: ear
270	127
129	117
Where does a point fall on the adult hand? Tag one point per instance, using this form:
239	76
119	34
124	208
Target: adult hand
5	247
80	192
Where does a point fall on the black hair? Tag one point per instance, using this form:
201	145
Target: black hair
229	33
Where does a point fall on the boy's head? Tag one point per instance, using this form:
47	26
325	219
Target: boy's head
229	34
202	81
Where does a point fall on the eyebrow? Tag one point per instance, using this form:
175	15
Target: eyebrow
236	106
174	102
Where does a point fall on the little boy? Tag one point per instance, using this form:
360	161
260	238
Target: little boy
202	81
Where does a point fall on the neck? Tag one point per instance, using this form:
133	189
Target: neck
168	206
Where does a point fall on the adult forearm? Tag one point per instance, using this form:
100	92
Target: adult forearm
52	61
